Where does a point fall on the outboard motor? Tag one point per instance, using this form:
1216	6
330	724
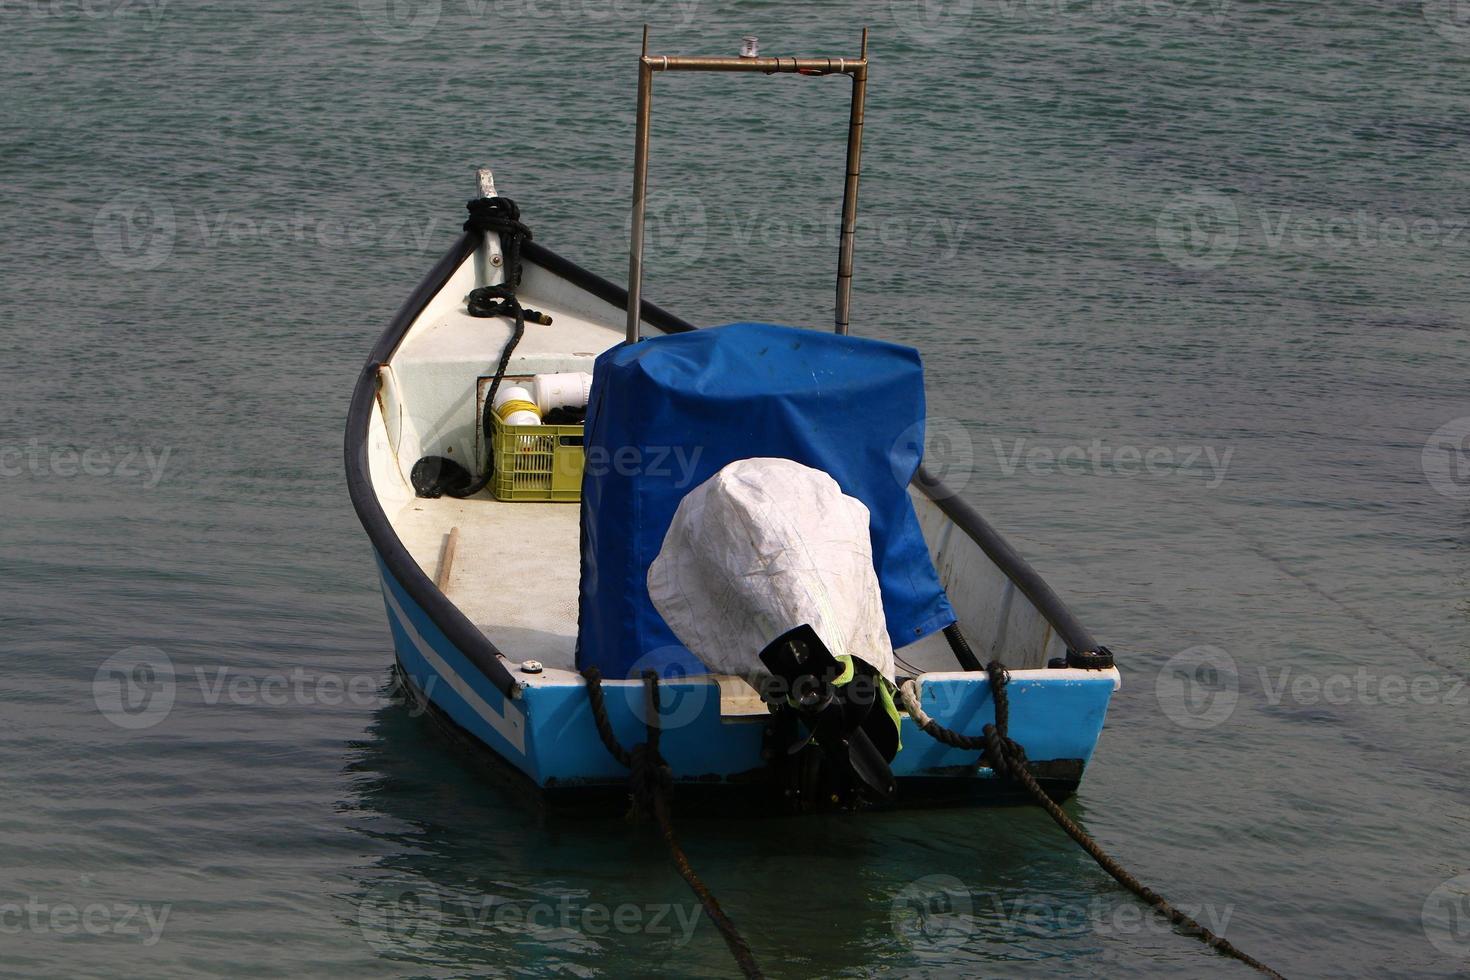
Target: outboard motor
767	574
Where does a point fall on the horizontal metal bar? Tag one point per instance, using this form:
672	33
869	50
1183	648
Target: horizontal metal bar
770	66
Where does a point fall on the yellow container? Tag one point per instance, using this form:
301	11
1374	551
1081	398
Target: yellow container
536	462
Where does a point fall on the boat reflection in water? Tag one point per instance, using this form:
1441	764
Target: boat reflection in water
469	872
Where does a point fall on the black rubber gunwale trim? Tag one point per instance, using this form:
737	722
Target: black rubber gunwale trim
453	623
608	292
467	638
1008	560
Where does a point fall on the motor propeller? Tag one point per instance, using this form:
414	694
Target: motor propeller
836	715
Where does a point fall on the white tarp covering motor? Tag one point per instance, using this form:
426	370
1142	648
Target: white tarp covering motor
761	547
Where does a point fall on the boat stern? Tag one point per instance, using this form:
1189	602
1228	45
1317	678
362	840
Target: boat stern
719	738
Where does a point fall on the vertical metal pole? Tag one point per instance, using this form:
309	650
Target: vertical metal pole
640	193
850	190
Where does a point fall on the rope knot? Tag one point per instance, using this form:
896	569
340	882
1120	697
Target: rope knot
499	214
1003	754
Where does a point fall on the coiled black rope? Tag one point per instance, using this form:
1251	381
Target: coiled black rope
650	782
501	216
1008	759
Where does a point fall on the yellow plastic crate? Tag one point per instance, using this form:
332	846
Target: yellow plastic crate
536	462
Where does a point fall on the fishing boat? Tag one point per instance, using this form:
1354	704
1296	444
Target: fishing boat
541	574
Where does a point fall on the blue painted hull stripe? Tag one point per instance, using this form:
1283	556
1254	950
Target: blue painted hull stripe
511	725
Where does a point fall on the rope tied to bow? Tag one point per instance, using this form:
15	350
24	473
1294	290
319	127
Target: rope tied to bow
502	216
499	216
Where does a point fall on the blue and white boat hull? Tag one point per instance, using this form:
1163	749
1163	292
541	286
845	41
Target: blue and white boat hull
544	728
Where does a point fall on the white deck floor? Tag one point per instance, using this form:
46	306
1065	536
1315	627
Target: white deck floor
515	571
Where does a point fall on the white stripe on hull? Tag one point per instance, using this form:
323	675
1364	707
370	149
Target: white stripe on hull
510	725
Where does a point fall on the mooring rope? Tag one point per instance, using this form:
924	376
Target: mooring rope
650	781
1007	758
500	216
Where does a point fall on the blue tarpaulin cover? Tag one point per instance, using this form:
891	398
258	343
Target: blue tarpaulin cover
669	412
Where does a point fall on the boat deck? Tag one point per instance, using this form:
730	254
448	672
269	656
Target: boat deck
515	570
516	573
